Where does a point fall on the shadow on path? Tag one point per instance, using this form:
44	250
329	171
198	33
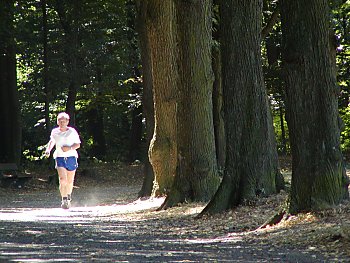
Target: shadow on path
33	229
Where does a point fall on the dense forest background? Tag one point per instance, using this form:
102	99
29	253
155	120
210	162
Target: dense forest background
88	48
92	46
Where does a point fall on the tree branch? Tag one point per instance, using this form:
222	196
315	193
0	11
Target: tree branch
272	21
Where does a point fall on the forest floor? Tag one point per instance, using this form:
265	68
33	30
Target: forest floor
107	223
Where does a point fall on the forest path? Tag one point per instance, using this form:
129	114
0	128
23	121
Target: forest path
105	225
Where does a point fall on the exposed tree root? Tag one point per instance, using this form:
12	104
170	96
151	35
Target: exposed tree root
170	201
275	219
164	205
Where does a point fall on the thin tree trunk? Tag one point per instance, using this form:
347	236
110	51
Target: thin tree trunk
283	130
218	112
318	180
147	98
45	70
136	127
136	114
95	116
72	47
70	24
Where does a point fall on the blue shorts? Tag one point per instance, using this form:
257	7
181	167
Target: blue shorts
70	163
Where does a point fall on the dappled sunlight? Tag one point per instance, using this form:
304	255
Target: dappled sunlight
136	206
76	214
105	222
29	253
225	239
120	231
136	230
307	219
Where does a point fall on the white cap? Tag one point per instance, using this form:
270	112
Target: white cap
62	115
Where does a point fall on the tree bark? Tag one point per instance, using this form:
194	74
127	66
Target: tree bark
147	95
10	121
283	130
218	112
196	173
251	155
318	179
219	125
160	24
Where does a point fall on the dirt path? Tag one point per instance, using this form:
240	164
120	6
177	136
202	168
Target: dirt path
104	225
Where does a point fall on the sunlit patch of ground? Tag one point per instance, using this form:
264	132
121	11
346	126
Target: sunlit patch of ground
76	214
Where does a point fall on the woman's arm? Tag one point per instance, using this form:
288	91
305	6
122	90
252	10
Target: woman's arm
74	146
49	147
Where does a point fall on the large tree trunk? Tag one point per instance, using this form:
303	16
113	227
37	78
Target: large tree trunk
10	130
160	23
251	156
147	95
196	174
312	113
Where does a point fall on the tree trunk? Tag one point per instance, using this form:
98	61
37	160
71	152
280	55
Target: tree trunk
72	47
136	113
283	131
69	13
251	155
45	69
196	174
95	127
147	95
160	16
318	181
136	127
219	125
10	130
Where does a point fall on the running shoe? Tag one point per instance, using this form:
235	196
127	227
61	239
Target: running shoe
65	204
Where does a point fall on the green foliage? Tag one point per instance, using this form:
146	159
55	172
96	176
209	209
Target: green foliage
341	25
283	145
103	68
105	74
271	56
345	135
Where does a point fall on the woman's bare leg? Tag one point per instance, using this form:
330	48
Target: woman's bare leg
63	180
70	181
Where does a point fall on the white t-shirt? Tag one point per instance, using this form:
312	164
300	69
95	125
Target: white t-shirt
66	138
